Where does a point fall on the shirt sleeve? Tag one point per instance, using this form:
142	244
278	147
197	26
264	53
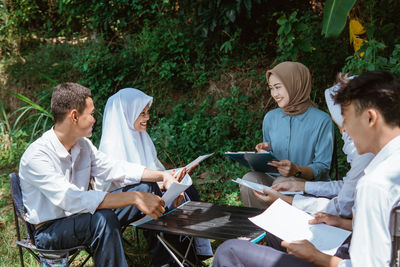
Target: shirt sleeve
345	263
323	151
265	129
324	189
108	170
39	172
371	241
310	204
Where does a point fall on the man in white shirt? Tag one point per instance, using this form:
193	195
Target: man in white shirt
55	171
369	107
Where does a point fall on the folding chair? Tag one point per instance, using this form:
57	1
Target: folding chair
334	169
46	257
395	219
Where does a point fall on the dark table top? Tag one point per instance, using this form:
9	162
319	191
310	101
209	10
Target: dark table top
208	220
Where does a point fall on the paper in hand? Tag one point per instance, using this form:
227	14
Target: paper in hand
169	196
199	159
260	187
291	224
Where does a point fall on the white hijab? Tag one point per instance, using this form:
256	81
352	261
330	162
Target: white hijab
119	139
335	109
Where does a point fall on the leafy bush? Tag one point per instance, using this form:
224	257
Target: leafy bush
12	141
371	56
43	67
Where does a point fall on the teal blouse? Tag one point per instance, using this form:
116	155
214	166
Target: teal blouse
305	139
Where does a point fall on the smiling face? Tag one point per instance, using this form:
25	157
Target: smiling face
278	91
359	127
141	122
86	120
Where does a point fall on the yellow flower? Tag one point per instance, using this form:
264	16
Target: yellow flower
356	29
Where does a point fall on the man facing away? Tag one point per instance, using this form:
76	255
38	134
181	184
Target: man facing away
55	171
371	118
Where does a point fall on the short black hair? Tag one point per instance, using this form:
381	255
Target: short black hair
68	96
377	89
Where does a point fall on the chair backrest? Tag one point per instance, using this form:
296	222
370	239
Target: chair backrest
19	207
334	161
395	220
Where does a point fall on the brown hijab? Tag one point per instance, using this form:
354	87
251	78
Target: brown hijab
297	80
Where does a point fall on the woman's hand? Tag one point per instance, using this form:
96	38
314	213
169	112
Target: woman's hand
292	186
285	167
262	147
191	169
178	201
180	175
269	196
168	179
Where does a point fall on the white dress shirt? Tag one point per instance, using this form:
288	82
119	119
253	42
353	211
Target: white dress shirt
376	194
54	182
335	197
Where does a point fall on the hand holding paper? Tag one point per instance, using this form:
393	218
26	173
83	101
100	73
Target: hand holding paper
260	187
292	224
294	186
191	166
269	196
169	196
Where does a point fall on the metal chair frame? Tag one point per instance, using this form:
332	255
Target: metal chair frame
28	242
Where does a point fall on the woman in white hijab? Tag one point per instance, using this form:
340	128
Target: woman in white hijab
124	137
121	138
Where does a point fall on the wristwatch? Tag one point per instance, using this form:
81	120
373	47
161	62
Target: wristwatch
298	174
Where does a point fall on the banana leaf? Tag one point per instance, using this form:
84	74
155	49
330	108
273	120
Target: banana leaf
335	16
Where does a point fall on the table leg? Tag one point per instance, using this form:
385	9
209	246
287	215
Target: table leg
169	248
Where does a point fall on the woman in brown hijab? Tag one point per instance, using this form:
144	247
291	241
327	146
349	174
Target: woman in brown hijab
297	133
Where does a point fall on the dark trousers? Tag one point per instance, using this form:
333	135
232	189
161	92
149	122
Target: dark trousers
242	253
100	231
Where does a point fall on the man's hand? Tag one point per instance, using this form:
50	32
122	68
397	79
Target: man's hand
269	196
285	167
302	249
149	204
329	219
262	147
292	186
305	250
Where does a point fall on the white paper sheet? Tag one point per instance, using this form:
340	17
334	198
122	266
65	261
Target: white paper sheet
291	224
197	160
169	196
260	187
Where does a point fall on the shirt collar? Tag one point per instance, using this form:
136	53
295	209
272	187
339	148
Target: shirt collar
298	117
60	149
389	149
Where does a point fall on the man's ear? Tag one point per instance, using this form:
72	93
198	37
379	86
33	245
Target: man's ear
73	114
373	116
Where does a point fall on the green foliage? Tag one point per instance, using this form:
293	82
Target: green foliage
34	113
371	56
335	16
13	141
295	35
44	66
215	15
192	129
